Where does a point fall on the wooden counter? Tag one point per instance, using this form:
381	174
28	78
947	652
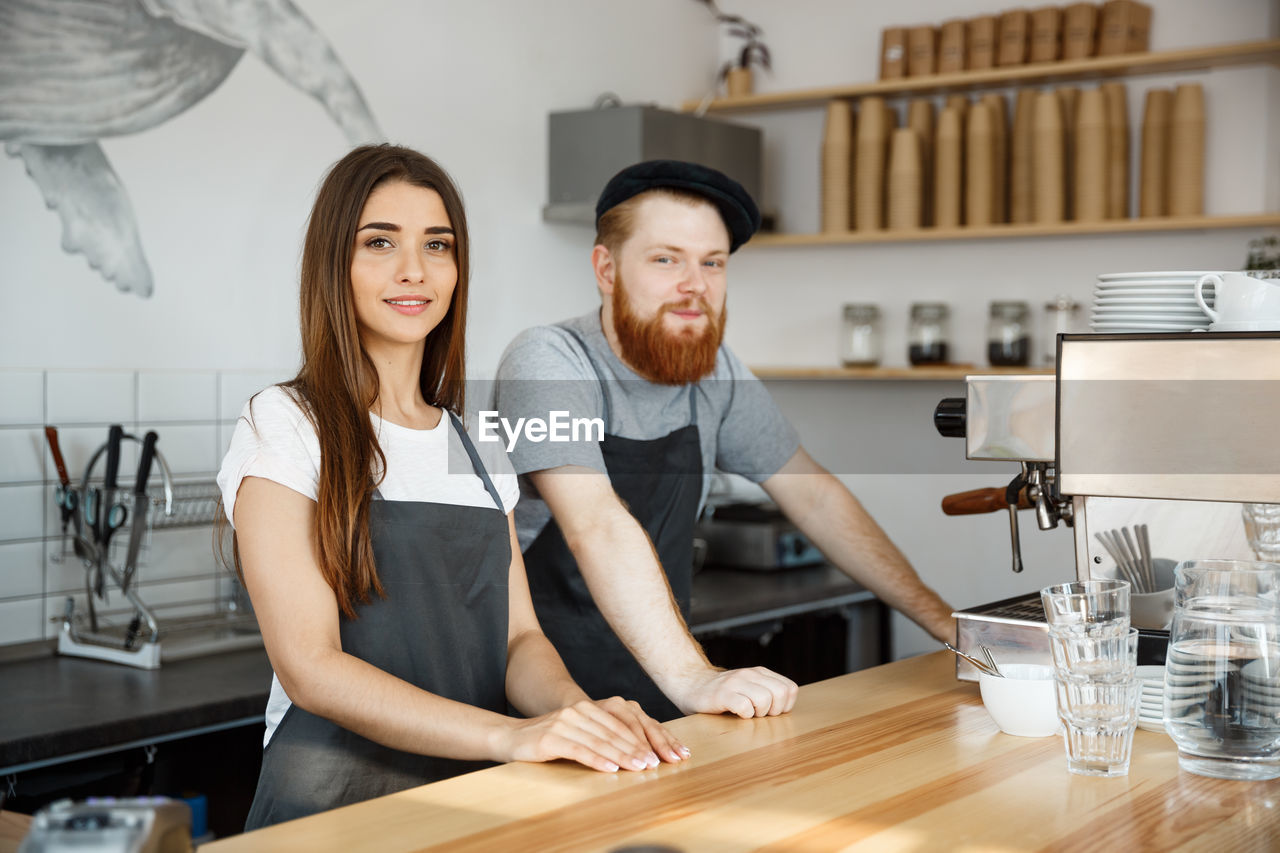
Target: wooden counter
899	757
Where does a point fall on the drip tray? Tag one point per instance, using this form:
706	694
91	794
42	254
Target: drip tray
1016	632
1014	629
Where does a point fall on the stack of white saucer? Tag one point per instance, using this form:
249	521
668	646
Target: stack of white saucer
1151	711
1129	302
1261	682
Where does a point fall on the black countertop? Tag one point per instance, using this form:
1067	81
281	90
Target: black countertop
724	598
57	708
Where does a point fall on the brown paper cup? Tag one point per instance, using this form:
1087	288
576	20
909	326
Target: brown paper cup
1091	157
948	169
1153	181
1186	151
1047	159
1117	104
905	181
1021	182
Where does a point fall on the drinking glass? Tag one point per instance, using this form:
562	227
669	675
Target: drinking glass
1098	694
1098	721
1093	607
1222	674
1095	657
1108	658
1262	529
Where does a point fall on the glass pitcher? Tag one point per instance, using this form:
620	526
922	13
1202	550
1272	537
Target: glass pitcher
1222	675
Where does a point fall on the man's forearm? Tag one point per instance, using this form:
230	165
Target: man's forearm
624	574
836	522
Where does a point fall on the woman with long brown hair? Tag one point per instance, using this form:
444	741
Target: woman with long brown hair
375	540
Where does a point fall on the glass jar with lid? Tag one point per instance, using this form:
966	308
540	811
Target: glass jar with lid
1061	317
929	335
1009	334
860	344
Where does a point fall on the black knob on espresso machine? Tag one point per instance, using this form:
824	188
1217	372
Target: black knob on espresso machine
950	417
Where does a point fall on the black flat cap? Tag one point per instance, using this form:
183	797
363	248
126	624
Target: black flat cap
740	214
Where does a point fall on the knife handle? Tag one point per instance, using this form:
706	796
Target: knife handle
51	434
981	500
144	463
114	434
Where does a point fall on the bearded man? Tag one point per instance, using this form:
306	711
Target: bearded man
606	527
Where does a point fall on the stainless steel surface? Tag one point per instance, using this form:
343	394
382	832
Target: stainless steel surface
588	147
1011	418
1013	537
1013	629
1180	416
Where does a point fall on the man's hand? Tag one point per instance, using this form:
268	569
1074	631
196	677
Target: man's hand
754	692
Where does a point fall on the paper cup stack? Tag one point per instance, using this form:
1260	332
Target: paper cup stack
1141	302
837	168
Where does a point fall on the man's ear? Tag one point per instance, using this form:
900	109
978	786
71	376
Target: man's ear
602	263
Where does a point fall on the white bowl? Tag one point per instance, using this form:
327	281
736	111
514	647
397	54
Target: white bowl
1024	702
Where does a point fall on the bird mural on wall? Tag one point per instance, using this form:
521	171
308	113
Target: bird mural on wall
73	72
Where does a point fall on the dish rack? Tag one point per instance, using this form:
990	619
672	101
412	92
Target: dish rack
195	503
133	635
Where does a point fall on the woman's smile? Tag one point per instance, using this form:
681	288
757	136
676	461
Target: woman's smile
409	306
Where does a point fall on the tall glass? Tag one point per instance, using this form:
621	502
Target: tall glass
1222	674
1098	697
1095	656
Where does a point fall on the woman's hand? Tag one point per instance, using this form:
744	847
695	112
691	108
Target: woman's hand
608	735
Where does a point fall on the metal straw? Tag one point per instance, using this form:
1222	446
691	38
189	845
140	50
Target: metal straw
981	666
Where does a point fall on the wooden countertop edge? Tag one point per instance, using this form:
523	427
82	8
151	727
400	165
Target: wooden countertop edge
901	756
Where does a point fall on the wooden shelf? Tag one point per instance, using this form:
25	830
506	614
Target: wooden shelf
985	232
1126	65
930	373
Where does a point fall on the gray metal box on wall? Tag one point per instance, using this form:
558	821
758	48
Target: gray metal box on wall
588	147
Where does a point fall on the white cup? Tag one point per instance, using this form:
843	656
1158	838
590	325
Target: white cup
1240	299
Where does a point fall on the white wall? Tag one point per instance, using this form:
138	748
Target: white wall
221	193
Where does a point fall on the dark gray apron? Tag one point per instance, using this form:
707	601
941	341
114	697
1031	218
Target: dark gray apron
442	626
660	481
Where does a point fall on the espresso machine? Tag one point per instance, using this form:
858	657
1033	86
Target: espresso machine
1144	417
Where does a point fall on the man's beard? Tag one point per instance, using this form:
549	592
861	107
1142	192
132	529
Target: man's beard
662	356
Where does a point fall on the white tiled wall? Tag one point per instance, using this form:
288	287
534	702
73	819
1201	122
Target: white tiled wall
193	412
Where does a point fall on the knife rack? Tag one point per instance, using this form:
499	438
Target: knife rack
73	638
194	503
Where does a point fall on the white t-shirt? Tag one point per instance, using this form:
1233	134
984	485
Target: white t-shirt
274	440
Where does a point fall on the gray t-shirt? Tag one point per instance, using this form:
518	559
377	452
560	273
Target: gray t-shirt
547	370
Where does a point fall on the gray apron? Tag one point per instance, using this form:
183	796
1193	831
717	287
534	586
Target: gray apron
660	481
442	626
